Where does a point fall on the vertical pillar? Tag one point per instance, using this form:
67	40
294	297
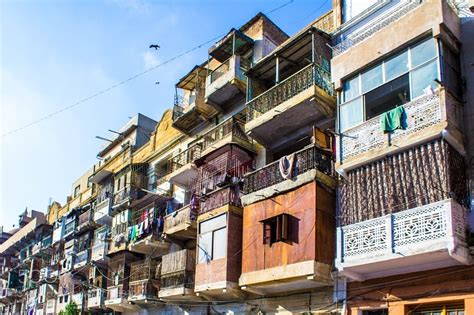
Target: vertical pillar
389	232
313	50
277	72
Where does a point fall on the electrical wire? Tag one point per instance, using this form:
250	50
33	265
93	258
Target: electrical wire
140	74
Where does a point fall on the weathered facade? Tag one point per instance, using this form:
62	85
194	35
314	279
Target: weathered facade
326	172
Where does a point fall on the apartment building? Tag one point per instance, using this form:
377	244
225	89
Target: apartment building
323	172
403	231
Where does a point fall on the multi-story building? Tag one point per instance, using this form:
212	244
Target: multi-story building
324	172
402	221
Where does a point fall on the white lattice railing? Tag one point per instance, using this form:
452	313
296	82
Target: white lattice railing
408	231
375	25
421	113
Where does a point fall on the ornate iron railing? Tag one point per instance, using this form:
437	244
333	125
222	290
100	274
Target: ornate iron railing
421	113
288	88
219	198
305	160
401	232
185	157
231	126
375	25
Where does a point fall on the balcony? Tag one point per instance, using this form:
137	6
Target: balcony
146	240
103	211
305	98
428	117
144	282
189	109
79	299
117	300
51	306
231	131
310	162
357	43
374	26
229	196
181	224
181	168
226	83
99	252
422	238
82	258
96	299
85	222
126	195
177	275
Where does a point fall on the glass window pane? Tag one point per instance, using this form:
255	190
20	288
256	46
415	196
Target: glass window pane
423	52
204	247
351	89
396	66
387	97
371	78
351	114
423	78
213	224
219	244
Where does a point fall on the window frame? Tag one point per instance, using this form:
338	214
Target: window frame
211	231
280	225
359	95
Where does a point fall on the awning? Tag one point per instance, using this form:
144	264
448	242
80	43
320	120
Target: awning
223	49
191	79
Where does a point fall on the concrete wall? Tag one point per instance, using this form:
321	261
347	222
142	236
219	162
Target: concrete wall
428	17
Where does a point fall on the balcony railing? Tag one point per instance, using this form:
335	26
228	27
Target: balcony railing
182	216
143	270
116	292
183	279
99	251
421	113
85	218
375	25
305	160
220	71
185	157
125	194
81	259
288	88
230	127
403	232
219	198
179	261
96	298
102	210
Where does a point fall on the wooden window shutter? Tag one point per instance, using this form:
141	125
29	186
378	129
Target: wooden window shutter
279	229
267	233
284	227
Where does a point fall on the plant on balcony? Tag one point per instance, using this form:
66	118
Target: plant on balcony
71	309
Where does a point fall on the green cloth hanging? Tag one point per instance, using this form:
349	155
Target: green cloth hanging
394	119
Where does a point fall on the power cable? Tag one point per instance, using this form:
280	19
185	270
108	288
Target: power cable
127	80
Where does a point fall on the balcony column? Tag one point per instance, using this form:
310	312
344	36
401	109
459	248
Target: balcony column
233	44
389	233
313	50
277	72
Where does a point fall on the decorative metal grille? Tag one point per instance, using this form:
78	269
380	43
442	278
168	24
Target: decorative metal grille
184	158
288	88
421	113
269	175
375	26
409	229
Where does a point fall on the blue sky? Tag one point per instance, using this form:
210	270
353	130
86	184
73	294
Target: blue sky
54	53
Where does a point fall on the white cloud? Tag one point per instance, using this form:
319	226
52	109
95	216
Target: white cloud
149	59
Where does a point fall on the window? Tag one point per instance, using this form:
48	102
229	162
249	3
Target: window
394	81
276	229
437	310
383	311
451	70
77	190
212	240
351	8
